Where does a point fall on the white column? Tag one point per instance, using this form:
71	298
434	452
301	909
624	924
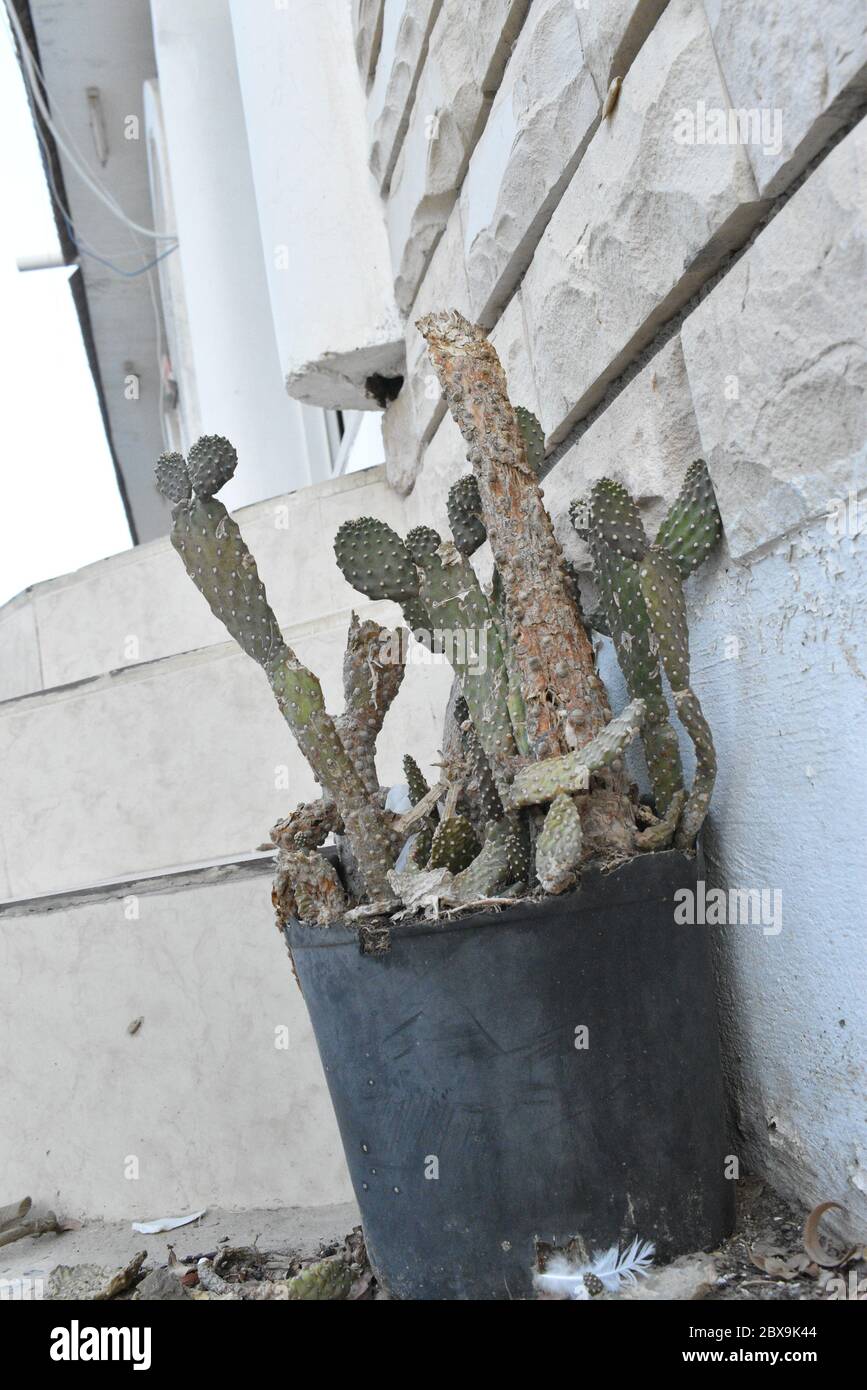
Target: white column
237	369
321	217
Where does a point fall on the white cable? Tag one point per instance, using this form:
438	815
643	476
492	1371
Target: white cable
105	197
76	159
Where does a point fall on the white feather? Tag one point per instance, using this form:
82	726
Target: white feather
610	1267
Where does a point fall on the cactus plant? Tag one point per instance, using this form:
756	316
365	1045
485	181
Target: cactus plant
217	560
454	845
532	783
641	587
465	514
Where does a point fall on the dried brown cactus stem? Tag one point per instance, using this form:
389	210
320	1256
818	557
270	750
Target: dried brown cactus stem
299	697
373	670
306	886
548	643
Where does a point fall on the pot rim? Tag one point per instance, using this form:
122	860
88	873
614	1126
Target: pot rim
304	935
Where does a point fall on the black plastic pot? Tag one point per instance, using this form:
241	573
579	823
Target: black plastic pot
471	1121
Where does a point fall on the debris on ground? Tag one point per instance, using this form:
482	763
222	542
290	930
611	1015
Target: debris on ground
776	1253
233	1273
167	1223
95	1283
15	1226
772	1255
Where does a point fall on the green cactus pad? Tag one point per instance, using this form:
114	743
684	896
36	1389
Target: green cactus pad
458	607
420	853
220	565
173	479
534	438
689	712
630	627
415	778
504	859
464	507
662	590
211	462
558	847
610	520
693	526
480	786
542	781
375	561
614	517
423	542
454	845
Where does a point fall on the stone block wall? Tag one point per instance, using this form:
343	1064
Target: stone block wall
682	277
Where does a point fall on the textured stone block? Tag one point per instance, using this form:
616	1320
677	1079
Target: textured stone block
799	67
367	33
469	47
406	30
540	123
646	439
612	32
401	442
777	359
513	349
644	221
443	287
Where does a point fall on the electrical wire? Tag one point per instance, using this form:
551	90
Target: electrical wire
78	240
31	71
71	150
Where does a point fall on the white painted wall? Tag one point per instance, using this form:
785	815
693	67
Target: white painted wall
200	1107
240	388
322	224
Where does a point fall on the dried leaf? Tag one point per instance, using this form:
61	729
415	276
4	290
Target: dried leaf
813	1243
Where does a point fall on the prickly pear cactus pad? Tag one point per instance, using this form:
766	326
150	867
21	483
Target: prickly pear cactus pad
616	520
454	845
217	560
534	438
211	462
374	560
423	542
464	508
612	519
172	477
662	591
415	779
543	781
693	526
558	848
